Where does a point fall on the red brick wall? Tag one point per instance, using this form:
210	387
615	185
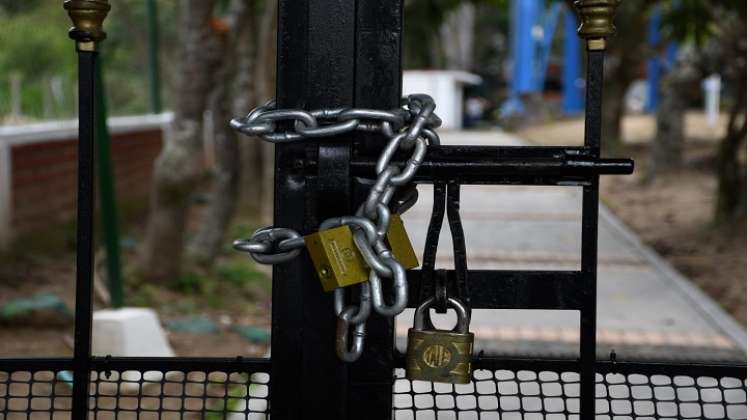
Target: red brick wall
44	177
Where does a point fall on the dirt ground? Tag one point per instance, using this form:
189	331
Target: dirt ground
239	297
674	213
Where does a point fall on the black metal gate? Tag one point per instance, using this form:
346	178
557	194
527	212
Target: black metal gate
334	53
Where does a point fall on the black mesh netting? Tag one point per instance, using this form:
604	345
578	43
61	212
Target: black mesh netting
137	395
525	394
494	394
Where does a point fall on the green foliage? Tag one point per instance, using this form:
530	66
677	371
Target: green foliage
34	44
193	324
12	7
687	21
229	280
18	308
253	334
235	400
696	20
239	274
31	43
192	283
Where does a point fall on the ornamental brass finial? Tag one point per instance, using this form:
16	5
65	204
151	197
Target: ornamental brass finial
596	21
88	19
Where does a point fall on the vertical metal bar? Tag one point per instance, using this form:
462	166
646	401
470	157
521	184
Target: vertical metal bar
461	271
154	62
589	236
428	267
378	80
290	211
108	195
84	245
316	42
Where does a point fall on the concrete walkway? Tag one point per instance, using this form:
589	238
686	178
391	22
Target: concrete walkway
646	309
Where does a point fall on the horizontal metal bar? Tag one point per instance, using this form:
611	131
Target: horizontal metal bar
141	363
36	364
479	362
605	367
508	165
670	369
503	289
185	364
536	365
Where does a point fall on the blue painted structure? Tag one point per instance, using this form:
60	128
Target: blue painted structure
549	26
654	65
573	82
532	34
524	17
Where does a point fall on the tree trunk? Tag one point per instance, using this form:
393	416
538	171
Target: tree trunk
224	193
247	98
731	199
457	35
179	165
675	89
226	174
612	115
625	55
266	89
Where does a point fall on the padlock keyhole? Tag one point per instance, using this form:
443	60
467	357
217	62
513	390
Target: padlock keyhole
447	321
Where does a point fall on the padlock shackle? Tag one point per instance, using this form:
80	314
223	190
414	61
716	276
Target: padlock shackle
463	318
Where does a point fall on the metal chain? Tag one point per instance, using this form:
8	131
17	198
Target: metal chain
410	128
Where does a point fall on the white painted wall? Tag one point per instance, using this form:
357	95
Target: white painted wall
447	89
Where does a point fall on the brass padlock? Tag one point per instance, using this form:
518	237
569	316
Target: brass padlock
440	355
399	242
336	258
339	262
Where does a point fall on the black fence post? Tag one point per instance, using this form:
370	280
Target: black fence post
596	18
589	237
88	18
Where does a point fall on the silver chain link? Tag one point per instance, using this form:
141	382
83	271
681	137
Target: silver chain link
410	128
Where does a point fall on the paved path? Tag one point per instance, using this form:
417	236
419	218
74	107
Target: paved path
646	310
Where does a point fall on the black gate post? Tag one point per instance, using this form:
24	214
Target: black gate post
315	69
378	79
331	53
